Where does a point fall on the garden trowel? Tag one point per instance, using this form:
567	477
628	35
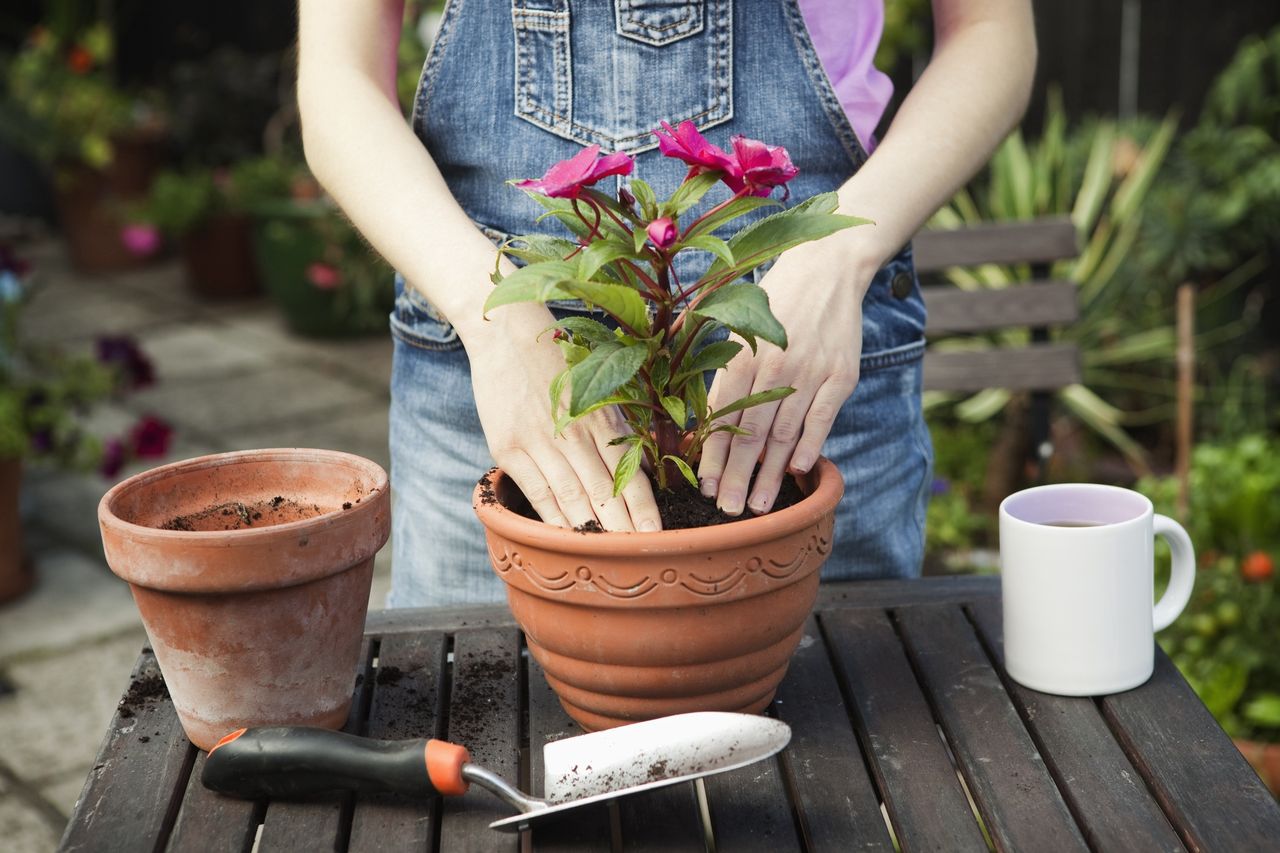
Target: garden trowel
282	762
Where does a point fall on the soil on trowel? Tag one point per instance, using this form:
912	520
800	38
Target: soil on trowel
680	508
236	515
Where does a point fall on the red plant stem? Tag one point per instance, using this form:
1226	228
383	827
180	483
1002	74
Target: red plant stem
684	347
593	227
719	207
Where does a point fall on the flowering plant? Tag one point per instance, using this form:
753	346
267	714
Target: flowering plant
46	394
650	364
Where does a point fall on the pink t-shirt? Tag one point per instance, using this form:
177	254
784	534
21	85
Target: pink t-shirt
846	34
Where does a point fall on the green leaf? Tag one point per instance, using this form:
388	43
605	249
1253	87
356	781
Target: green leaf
557	390
712	244
711	357
644	195
585	327
638	238
675	408
744	308
532	248
535	283
599	253
1264	710
730	212
598	375
756	399
695	400
628	465
684	469
573	353
689	193
624	303
983	405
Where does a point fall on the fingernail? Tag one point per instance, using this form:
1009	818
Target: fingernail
731	504
761	503
709	488
801	464
648	525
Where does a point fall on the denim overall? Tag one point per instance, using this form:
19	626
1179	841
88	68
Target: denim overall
512	86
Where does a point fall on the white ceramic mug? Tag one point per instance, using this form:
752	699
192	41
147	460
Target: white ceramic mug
1077	561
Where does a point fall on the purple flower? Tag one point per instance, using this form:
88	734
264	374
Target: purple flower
11	262
123	353
141	240
941	486
112	458
42	440
568	178
150	438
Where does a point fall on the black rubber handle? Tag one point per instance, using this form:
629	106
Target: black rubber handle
290	761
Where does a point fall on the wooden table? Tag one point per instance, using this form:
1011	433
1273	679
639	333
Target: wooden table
902	721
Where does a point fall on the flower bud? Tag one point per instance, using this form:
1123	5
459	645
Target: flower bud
626	198
662	232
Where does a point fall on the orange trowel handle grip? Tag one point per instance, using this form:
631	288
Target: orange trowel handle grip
283	762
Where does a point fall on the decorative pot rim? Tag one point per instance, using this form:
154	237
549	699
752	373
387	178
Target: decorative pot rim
823	485
358	514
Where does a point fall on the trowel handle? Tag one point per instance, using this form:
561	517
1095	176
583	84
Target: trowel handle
281	762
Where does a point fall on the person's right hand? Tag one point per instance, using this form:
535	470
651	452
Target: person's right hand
568	479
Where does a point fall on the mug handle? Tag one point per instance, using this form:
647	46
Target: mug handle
1181	578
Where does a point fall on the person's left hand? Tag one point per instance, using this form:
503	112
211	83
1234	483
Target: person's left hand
816	293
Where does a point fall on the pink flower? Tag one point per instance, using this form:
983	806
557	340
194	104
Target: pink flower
761	166
687	144
568	178
322	276
141	240
663	232
150	438
112	458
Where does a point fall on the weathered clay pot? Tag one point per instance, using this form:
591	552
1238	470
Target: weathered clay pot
15	572
631	626
218	256
259	625
1265	758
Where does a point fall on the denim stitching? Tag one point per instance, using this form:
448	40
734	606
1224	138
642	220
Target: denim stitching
822	84
894	357
631	26
431	66
920	508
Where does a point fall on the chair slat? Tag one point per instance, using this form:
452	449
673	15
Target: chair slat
1039	241
1048	303
1039	367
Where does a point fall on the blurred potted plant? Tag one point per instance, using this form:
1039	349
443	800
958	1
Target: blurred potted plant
46	397
1225	642
101	144
203	210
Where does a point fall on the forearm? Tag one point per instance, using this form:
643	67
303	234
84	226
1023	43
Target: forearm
365	155
972	93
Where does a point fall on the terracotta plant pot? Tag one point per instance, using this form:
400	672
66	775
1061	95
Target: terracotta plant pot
15	571
259	625
631	626
218	256
1265	758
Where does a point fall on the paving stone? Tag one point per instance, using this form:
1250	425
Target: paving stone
212	407
68	308
75	601
362	432
63	791
188	351
54	722
24	829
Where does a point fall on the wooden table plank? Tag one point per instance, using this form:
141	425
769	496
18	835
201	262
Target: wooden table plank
915	777
322	823
899	593
750	809
664	819
1105	793
1210	794
408	686
587	828
131	798
1017	798
484	715
835	799
211	821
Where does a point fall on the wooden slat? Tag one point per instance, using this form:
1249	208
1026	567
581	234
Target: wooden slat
1035	303
834	798
915	777
1038	367
132	795
484	715
586	828
1037	241
901	593
661	820
211	821
412	620
1210	794
1017	798
1103	790
408	687
750	810
324	822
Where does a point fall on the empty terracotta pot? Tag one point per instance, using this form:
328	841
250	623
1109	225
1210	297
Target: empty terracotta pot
251	571
631	626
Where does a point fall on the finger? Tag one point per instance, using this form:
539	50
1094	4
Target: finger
565	486
596	475
783	436
636	495
818	421
744	453
533	485
729	385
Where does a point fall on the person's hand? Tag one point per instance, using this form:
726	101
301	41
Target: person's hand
568	479
816	293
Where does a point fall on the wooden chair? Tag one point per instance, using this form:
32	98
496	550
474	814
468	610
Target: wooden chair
1041	367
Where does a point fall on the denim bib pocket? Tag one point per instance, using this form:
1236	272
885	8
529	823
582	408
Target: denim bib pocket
673	59
419	323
